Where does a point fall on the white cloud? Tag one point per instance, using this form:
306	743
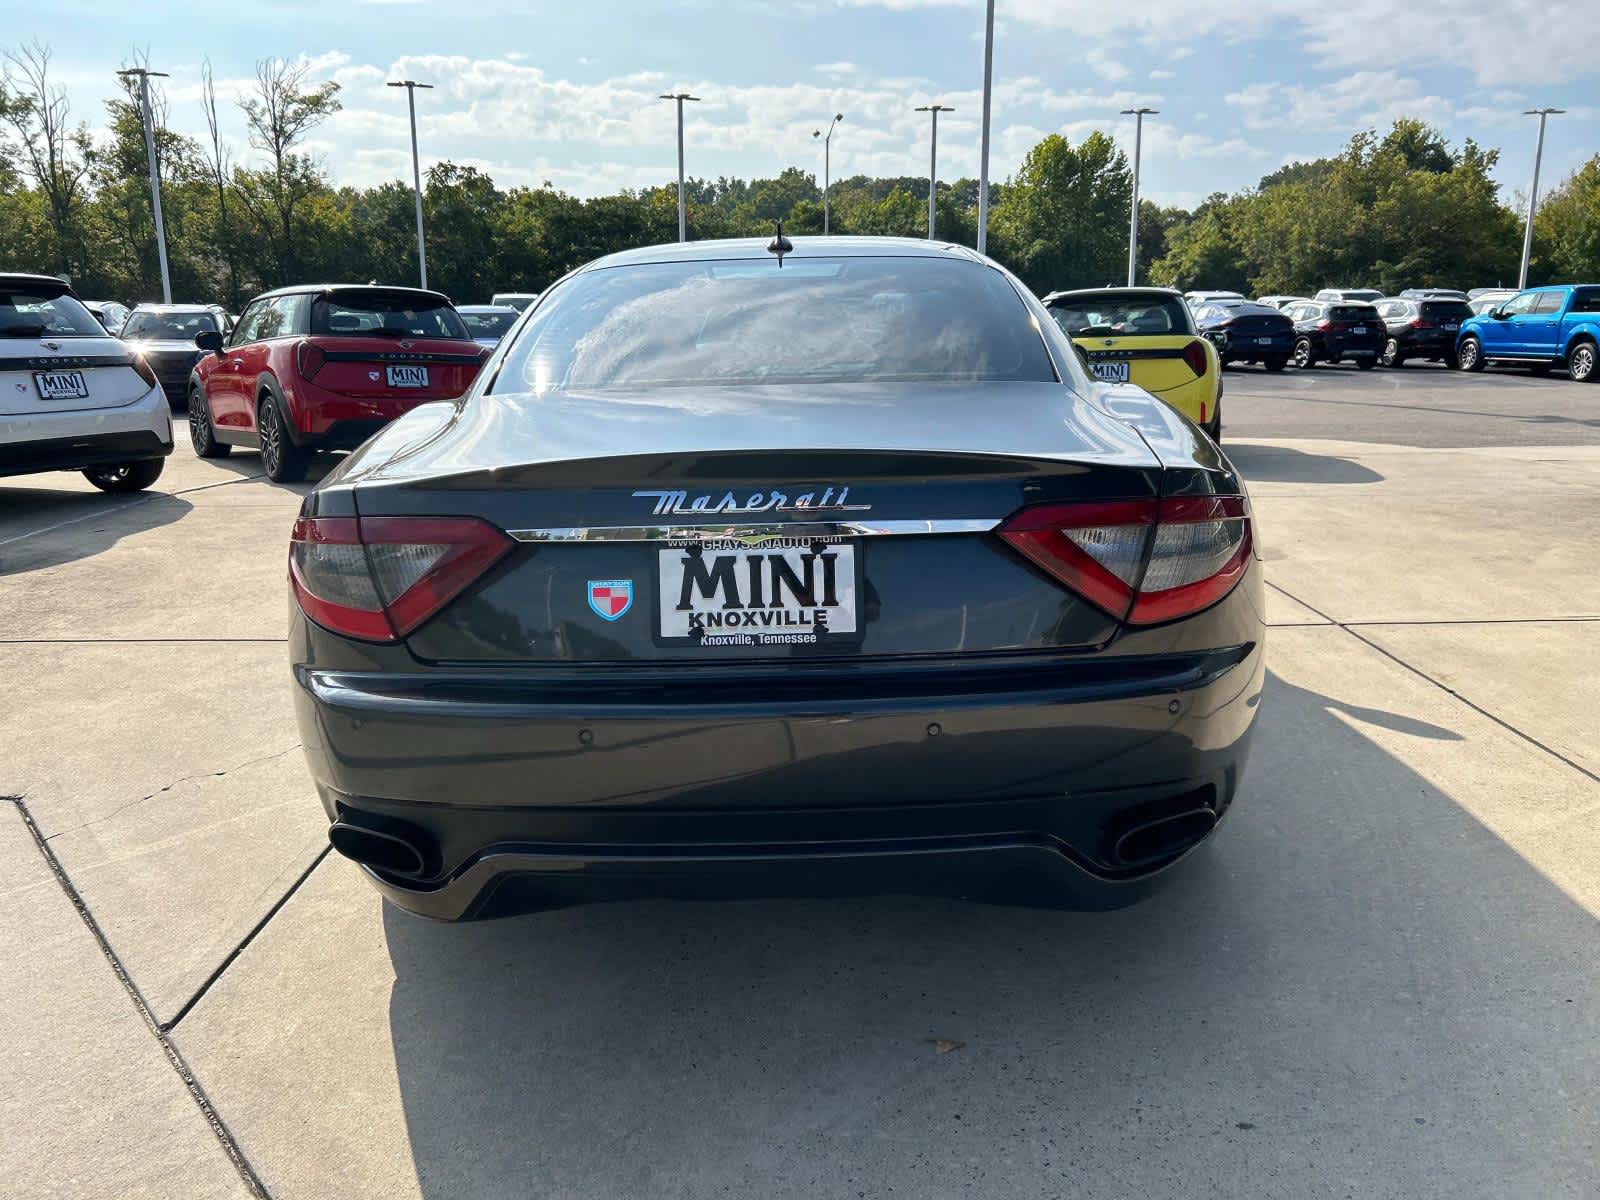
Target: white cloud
1365	98
1158	73
836	68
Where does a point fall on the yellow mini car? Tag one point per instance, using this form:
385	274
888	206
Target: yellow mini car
1146	337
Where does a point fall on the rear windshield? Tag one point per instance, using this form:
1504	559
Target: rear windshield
36	314
175	327
1444	310
1086	316
484	325
1353	312
379	314
814	320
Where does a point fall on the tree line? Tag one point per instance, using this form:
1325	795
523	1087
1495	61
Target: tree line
1398	210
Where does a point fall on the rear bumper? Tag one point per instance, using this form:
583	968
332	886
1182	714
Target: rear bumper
342	434
532	800
70	441
1255	347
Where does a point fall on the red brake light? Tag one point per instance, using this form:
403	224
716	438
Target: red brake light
312	357
379	578
1195	355
1142	561
1325	324
1420	324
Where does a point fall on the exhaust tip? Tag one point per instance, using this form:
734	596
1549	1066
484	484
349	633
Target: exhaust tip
1163	838
390	853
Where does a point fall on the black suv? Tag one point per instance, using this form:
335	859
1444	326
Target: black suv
1334	331
1421	329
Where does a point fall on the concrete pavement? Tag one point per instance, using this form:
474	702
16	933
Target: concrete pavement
1381	979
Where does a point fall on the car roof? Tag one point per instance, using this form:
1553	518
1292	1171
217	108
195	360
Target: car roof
483	310
333	289
724	249
1071	293
177	308
59	286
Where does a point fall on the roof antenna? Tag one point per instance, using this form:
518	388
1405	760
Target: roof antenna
779	245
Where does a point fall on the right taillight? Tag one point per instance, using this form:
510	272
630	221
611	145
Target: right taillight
1195	355
1142	561
378	578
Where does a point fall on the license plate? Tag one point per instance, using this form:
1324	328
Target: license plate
61	385
781	591
1265	341
1359	329
1451	326
1110	372
407	377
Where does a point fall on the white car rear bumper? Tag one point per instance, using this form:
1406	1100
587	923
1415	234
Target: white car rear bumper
70	441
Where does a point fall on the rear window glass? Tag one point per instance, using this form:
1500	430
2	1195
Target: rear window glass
35	314
1353	312
175	327
379	314
1085	316
488	324
814	320
1586	300
1443	310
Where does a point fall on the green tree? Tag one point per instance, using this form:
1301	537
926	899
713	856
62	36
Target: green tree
1566	229
1060	221
282	111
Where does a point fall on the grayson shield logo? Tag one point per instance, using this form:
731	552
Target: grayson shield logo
610	598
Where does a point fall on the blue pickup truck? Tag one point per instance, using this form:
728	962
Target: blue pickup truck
1546	327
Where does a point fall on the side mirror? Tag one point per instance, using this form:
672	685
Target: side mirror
209	340
1499	314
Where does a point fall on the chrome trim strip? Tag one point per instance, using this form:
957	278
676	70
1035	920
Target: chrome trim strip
790	529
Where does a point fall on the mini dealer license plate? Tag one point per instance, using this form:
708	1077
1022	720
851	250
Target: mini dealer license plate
778	592
61	385
408	377
1111	372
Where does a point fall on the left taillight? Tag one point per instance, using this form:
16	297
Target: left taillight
1141	561
145	370
311	359
379	578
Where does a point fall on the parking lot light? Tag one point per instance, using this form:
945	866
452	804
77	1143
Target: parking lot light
983	146
411	87
143	74
1138	115
826	165
1533	191
680	97
933	157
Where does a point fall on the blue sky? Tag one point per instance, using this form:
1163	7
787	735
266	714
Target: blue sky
565	91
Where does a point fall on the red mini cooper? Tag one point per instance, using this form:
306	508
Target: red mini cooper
323	367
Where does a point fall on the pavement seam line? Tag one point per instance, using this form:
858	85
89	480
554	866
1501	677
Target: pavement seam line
244	942
1443	687
175	1058
169	641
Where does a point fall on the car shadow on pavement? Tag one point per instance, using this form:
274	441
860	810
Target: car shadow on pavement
95	525
1280	464
1357	988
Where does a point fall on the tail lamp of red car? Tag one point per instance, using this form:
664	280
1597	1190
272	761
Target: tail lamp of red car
310	358
379	578
1141	561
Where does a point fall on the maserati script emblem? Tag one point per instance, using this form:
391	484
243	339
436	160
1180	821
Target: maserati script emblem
680	504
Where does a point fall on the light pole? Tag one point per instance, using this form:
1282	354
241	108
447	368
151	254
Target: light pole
983	152
145	119
1533	192
826	165
411	86
933	157
1138	115
680	97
